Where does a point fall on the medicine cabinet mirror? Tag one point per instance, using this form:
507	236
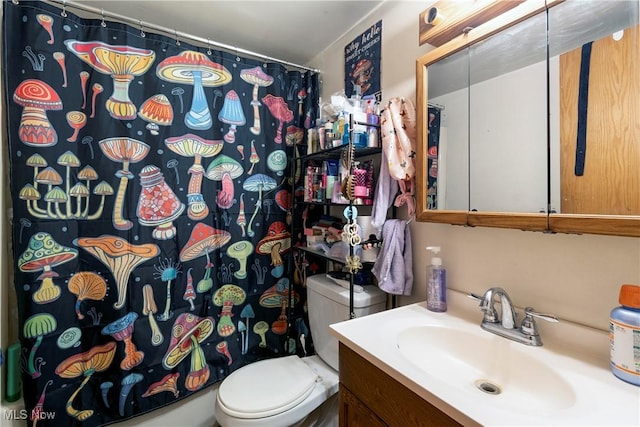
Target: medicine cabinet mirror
515	112
595	117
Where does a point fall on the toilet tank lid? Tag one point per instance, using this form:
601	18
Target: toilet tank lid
328	288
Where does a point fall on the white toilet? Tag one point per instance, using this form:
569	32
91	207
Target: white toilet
282	392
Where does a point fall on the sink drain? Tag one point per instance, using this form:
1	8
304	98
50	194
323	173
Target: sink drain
488	387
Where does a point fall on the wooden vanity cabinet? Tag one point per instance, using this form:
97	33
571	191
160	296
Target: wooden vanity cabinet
370	397
355	413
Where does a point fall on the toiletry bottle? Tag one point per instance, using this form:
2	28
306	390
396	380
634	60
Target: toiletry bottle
345	131
373	118
436	283
624	333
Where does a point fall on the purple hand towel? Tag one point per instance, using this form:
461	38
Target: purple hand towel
386	190
394	266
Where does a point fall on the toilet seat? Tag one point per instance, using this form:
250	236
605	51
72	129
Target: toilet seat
283	384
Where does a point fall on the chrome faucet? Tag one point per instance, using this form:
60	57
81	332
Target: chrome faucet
505	325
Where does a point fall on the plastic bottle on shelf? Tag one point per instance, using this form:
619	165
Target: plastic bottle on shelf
372	119
345	132
436	283
360	137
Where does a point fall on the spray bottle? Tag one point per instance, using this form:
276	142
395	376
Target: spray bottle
436	283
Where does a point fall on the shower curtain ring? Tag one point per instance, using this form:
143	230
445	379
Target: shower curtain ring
103	23
209	47
15	2
64	9
142	33
177	39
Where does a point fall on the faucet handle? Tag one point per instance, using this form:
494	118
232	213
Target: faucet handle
529	324
529	311
490	313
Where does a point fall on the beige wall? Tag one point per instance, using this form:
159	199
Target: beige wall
576	277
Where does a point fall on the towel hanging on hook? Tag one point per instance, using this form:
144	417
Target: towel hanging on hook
397	169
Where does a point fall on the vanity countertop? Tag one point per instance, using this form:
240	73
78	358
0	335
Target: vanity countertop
574	355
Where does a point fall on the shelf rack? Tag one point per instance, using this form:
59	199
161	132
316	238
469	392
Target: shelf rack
333	153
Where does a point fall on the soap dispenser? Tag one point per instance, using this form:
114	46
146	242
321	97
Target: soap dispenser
436	283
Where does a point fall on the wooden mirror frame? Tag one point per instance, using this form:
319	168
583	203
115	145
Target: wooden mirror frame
619	225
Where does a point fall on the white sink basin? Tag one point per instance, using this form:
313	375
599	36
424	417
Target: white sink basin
479	378
486	365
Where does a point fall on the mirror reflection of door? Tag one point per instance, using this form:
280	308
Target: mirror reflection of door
600	142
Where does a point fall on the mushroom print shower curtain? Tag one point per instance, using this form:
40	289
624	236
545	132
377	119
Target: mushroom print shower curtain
151	192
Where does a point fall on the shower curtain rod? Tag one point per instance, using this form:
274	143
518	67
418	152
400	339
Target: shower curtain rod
177	34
